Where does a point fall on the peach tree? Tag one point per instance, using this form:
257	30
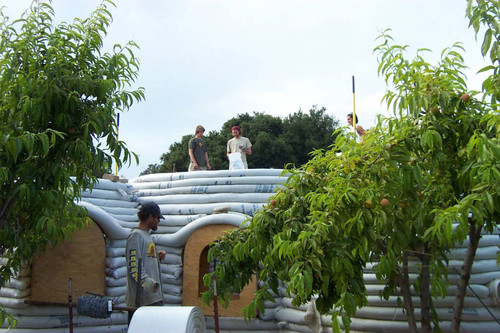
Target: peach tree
60	95
417	184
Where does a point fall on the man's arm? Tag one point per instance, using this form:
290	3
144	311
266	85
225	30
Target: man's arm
207	162
193	160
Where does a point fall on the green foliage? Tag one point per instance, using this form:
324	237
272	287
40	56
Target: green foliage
60	95
485	14
391	199
275	141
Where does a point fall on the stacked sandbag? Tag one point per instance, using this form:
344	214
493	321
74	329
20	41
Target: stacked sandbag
188	201
481	304
116	199
16	290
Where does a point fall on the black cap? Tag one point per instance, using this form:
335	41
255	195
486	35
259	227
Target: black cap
151	208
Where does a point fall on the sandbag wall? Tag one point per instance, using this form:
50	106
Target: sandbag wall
189	200
113	207
481	307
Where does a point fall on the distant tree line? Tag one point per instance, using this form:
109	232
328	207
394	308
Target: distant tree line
275	141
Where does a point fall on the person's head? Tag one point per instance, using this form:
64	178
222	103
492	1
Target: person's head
199	129
349	119
236	131
149	215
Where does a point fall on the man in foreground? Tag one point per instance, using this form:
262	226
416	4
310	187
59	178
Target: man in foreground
141	248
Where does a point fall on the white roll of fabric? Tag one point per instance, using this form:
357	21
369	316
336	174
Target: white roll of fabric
174	319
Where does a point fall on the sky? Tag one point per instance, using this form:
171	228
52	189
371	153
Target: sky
206	61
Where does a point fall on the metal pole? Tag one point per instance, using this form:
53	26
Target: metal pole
216	305
117	135
70	305
353	105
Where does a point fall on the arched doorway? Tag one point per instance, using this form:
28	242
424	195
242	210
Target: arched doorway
196	265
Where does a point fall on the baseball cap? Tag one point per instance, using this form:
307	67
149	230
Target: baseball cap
151	208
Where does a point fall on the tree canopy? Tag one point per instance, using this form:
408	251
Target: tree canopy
60	94
275	141
392	199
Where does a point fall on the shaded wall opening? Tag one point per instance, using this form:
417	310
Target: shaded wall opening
196	265
83	259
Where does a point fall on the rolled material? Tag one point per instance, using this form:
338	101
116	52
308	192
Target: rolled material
178	319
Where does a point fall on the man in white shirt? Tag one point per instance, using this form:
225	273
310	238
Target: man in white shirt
239	144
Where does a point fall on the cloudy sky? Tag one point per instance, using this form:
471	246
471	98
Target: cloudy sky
205	61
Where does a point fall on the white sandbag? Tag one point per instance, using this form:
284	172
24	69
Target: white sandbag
268	314
116	243
398	313
111	195
119	210
117	272
168	230
175	270
34	310
172	299
106	222
111	202
170	279
19	283
180	238
112	282
106	184
235	324
448	301
172	259
116	291
211	181
118	328
480	290
13	302
209	189
127	218
194	199
62	321
171	289
115	252
239	207
290	315
478	278
115	262
486	240
486	252
14	293
494	287
158	177
153	319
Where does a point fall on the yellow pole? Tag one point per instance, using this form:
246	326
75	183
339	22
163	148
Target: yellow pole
117	135
353	106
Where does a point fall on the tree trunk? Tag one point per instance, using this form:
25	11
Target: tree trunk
404	284
474	236
425	294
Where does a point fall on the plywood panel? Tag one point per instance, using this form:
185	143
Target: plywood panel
82	259
195	247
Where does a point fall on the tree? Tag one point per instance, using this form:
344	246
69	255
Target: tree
60	95
392	199
275	141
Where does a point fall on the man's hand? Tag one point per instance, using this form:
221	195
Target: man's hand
161	254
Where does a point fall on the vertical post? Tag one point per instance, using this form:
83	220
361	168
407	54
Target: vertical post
353	105
216	305
70	305
117	136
